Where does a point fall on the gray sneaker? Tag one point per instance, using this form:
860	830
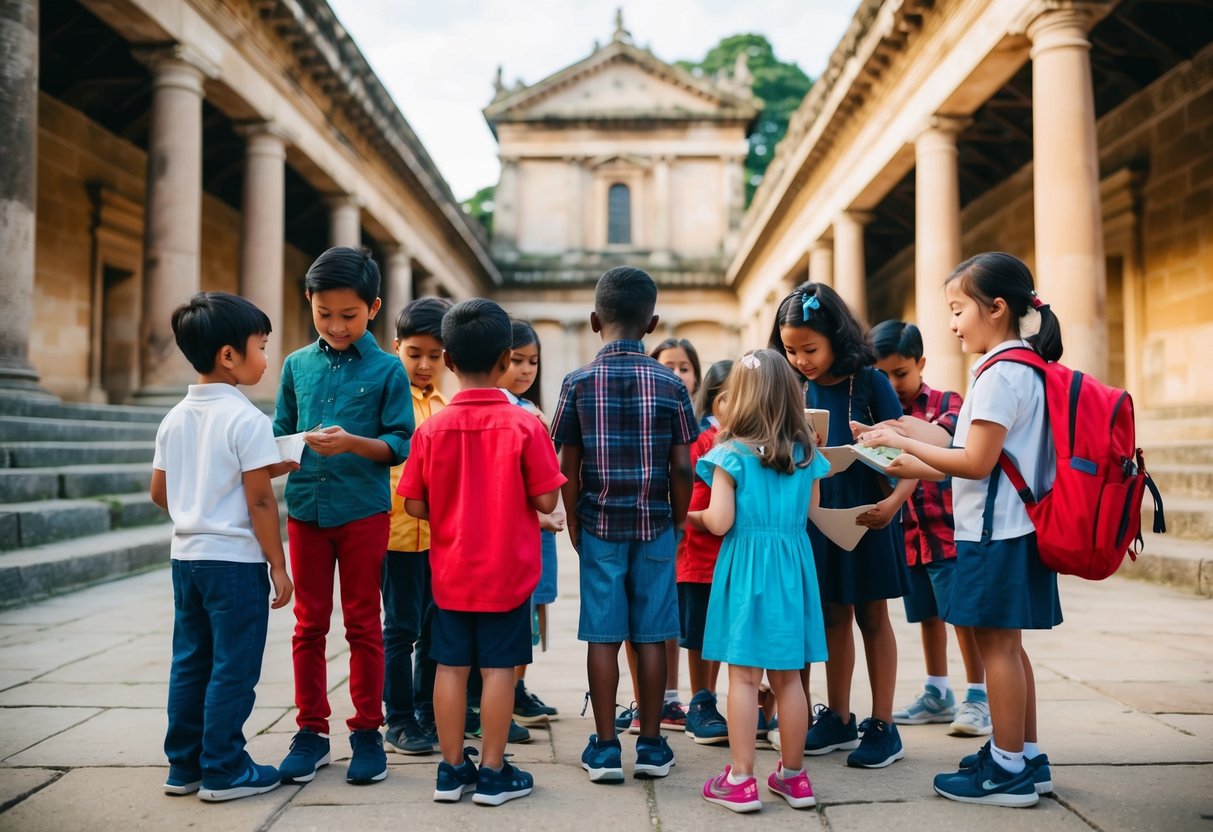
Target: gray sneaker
973	717
930	706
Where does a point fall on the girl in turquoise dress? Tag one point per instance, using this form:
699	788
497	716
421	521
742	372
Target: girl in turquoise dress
765	610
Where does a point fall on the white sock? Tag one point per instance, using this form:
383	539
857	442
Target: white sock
671	696
981	686
737	780
941	684
1012	761
1030	750
786	773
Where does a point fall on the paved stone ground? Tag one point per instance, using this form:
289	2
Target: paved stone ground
1126	692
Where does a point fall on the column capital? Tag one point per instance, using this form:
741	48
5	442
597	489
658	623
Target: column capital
393	250
860	218
822	244
177	64
343	200
1052	24
259	128
942	125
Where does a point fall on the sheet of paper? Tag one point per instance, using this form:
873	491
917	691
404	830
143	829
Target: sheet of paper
840	458
290	448
838	524
874	458
819	420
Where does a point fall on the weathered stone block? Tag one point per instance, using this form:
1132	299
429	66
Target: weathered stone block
92	480
19	486
61	520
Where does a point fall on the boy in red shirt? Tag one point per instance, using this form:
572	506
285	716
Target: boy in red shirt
479	471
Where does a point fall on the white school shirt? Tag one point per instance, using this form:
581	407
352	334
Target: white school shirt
1013	396
204	446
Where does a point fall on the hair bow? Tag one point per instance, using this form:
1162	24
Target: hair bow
809	305
750	362
1036	302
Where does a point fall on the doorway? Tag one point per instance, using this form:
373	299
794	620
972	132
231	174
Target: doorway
119	334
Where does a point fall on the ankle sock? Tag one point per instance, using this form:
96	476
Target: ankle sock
981	686
737	780
941	684
1012	761
670	696
1030	750
786	773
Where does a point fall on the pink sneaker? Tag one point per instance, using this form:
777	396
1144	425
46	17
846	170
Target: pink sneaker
742	798
797	791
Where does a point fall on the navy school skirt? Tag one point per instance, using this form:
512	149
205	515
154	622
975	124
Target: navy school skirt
1003	584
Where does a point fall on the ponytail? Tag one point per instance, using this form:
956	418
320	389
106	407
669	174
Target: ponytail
1047	341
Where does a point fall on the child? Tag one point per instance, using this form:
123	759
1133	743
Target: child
480	470
623	425
522	379
824	342
1000	586
406	570
353	400
215	455
931	548
696	561
765	611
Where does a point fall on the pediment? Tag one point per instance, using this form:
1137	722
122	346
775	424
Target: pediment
619	160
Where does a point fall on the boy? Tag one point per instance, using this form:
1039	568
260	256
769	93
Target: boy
931	548
406	574
353	400
480	471
215	455
623	425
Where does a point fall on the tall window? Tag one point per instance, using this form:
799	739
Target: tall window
619	215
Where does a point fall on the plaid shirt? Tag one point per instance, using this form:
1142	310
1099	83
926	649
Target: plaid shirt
626	411
927	517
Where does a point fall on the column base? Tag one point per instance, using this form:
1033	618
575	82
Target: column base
21	381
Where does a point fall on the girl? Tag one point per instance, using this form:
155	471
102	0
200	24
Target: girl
696	560
822	340
764	611
680	355
1000	586
523	381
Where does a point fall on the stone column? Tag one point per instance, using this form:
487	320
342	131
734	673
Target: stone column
505	208
660	211
576	205
262	239
345	221
18	194
173	231
821	262
850	274
1070	265
397	281
937	246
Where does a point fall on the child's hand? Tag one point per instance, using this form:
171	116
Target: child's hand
553	522
859	427
882	436
287	466
909	467
880	516
329	441
283	588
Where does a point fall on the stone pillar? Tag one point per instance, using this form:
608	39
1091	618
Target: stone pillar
397	281
345	221
18	194
850	274
505	208
262	239
576	205
661	210
937	247
1070	265
821	262
173	232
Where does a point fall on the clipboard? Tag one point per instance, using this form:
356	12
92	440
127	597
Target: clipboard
838	524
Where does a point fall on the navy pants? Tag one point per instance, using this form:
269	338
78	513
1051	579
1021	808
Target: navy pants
406	597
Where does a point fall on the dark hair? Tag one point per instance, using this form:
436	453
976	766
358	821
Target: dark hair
422	316
523	334
475	333
345	268
832	318
897	338
625	295
996	274
687	347
212	321
710	387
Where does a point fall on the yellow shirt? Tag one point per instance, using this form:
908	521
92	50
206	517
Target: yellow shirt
409	534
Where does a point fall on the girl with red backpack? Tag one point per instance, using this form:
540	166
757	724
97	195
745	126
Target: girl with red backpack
1000	586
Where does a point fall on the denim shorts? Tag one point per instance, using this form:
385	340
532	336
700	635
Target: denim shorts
930	590
545	592
627	590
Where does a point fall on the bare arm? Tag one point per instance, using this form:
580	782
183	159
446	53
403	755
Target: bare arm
545	503
680	481
417	508
974	461
570	466
718	517
263	512
159	489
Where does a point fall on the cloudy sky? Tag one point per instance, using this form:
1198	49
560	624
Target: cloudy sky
438	57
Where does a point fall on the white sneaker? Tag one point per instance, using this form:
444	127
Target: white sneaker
973	716
773	739
930	706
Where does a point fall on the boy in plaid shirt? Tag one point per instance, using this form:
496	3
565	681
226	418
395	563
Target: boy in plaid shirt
931	548
624	425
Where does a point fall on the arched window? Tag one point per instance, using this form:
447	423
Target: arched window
619	215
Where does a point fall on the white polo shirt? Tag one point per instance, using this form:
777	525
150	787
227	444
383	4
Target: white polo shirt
1013	396
204	446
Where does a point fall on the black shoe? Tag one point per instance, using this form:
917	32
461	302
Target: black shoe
408	737
529	709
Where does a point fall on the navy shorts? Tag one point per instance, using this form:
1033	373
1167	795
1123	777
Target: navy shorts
930	590
545	592
482	639
627	590
1003	584
693	613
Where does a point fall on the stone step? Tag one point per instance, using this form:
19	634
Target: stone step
1183	480
29	574
1180	424
39	429
1184	564
80	410
50	454
73	481
1196	452
45	521
129	510
1189	518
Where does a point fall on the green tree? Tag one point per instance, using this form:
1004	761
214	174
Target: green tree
480	207
781	86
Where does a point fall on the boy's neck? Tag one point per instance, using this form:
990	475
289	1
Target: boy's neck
216	377
616	332
478	381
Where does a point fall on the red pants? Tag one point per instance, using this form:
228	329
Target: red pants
356	551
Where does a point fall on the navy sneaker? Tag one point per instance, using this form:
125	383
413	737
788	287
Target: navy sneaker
309	751
765	726
471	723
453	781
705	724
529	709
182	780
408	738
425	722
654	758
368	763
518	735
625	719
603	760
253	780
496	787
988	782
1042	774
829	733
879	747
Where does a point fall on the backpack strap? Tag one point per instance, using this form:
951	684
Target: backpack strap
1029	358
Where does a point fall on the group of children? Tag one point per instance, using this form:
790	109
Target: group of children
691	526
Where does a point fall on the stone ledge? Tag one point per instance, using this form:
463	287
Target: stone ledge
1184	564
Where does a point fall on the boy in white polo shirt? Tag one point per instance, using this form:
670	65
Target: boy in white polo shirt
215	456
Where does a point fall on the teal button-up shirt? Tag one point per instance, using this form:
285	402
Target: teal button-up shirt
363	390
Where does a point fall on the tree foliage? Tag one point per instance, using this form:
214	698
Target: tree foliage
480	207
781	86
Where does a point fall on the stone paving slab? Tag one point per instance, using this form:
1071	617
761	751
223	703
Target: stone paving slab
24	727
1048	815
1131	798
59	694
18	783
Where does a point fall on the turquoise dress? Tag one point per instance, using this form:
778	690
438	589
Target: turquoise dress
765	610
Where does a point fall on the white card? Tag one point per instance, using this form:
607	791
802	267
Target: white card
838	524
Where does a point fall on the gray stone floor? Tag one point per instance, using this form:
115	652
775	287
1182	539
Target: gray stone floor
1125	685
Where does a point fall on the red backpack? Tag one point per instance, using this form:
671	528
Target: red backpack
1092	515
